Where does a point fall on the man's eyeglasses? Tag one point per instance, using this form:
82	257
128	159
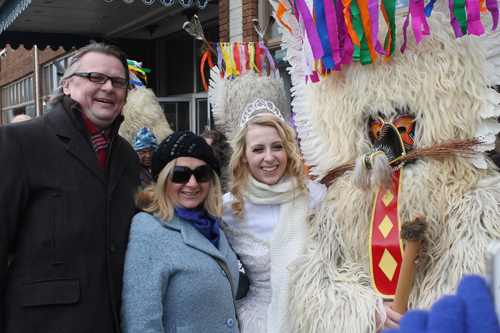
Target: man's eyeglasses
100	78
182	174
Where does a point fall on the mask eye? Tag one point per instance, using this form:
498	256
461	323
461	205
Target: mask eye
375	129
402	130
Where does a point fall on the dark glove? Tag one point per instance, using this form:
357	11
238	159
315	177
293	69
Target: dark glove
470	311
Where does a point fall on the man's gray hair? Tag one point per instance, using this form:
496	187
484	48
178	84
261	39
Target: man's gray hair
111	50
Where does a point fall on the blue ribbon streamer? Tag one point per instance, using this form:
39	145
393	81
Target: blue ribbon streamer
429	8
319	10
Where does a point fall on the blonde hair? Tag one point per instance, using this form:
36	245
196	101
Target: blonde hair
154	198
239	171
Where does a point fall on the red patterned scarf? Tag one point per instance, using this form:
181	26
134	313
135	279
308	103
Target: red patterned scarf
100	140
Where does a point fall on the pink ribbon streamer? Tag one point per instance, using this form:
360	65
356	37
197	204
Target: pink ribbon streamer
346	45
474	25
332	30
243	58
373	11
342	27
492	6
405	30
312	33
314	77
418	18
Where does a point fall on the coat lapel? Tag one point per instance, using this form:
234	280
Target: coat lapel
64	127
192	237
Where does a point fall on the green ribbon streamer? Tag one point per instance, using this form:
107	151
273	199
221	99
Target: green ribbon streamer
460	14
390	10
360	54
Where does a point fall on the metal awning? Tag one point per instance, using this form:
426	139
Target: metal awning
65	22
186	3
44	40
10	11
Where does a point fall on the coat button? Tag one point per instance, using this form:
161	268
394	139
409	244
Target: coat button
230	322
257	290
223	273
112	247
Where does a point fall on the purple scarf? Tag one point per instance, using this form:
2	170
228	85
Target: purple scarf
207	224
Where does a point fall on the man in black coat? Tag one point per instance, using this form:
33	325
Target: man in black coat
66	204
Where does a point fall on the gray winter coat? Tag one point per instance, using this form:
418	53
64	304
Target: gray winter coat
171	281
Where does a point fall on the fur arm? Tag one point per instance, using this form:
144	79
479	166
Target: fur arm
458	249
332	299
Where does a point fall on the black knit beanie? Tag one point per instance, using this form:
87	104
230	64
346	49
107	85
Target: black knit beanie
183	144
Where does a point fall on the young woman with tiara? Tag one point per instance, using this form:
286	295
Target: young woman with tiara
266	213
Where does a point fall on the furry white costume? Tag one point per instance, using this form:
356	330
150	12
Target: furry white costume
230	98
142	109
443	82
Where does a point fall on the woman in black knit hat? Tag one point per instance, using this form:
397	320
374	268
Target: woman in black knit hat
179	268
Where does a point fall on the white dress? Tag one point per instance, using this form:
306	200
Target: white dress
250	240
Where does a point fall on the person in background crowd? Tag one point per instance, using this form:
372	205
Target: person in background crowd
266	216
145	144
180	273
222	151
19	118
67	203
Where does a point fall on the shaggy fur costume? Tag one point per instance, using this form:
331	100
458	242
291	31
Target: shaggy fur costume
142	109
443	82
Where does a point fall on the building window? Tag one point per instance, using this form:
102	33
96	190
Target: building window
177	114
182	94
17	99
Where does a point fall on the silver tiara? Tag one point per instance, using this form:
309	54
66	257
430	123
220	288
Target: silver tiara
259	108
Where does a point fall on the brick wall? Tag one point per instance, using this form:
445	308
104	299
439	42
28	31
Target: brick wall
250	12
223	21
16	64
20	63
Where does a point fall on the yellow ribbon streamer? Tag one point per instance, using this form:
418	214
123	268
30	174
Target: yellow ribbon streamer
137	69
252	57
229	69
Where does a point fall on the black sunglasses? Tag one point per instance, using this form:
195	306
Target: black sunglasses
100	78
182	174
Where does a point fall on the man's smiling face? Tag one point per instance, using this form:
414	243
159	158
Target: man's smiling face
100	103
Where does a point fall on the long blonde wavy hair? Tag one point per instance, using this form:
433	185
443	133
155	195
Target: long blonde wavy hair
154	198
239	170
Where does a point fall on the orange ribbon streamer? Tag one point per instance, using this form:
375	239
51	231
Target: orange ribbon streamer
350	29
206	56
365	18
389	35
279	14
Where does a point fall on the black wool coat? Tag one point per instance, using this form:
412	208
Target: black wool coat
64	225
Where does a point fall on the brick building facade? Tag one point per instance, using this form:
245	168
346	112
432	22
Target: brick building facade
18	66
27	76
